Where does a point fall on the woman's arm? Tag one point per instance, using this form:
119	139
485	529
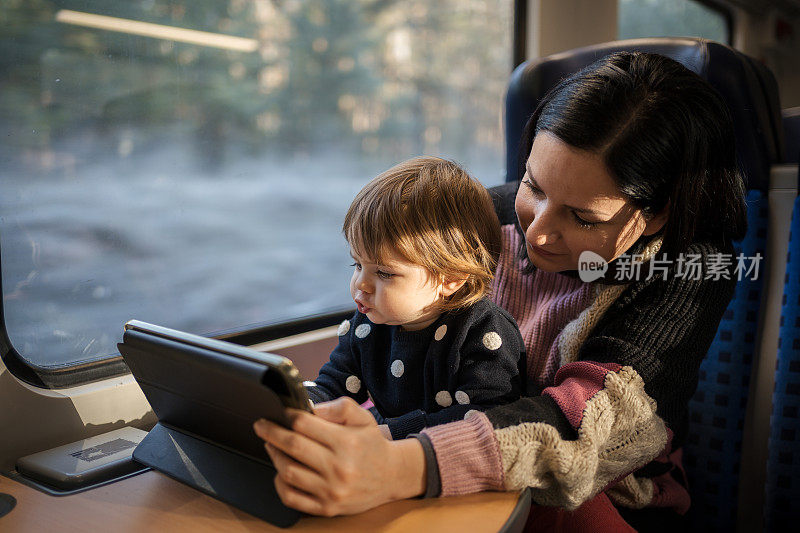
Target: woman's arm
617	402
338	462
596	424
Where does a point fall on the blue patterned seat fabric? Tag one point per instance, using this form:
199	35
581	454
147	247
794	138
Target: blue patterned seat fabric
717	410
782	506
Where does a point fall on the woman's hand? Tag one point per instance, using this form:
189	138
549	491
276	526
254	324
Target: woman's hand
385	431
337	461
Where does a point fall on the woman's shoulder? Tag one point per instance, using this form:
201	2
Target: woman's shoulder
503	199
702	270
706	248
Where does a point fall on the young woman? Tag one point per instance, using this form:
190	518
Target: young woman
632	157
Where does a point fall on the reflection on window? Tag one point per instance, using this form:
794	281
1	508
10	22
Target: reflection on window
671	18
189	163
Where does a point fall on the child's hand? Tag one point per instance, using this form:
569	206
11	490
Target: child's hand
385	430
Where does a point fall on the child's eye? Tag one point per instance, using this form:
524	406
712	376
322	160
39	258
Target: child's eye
583	223
357	265
384	275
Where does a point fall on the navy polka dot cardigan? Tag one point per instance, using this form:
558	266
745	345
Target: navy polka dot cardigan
471	359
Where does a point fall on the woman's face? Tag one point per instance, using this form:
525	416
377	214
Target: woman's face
569	203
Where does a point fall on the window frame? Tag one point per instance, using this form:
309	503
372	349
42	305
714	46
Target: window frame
727	15
519	41
109	366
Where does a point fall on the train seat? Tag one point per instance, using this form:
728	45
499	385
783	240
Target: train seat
783	464
717	417
748	88
791	133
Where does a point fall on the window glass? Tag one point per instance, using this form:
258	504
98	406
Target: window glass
670	18
189	163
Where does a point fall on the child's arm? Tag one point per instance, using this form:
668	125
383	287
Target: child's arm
341	375
491	372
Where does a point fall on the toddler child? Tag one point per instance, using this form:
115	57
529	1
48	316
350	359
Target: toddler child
426	345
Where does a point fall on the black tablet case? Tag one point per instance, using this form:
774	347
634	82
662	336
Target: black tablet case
206	403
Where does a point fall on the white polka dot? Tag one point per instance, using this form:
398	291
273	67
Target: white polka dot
440	331
344	327
470	413
353	384
491	340
362	330
443	398
462	397
397	368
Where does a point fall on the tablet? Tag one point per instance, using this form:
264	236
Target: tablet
206	394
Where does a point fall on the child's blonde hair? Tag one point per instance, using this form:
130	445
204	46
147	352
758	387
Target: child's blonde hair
433	214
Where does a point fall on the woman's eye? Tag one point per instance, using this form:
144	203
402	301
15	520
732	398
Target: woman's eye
384	275
583	223
357	265
534	189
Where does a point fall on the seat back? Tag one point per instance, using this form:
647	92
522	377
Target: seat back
791	133
783	463
717	409
748	88
713	449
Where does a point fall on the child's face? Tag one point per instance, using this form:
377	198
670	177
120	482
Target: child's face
395	292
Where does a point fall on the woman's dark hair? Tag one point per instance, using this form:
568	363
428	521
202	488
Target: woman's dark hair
665	135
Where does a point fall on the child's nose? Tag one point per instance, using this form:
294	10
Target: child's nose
363	284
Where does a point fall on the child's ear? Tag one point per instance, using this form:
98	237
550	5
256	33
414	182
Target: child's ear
451	285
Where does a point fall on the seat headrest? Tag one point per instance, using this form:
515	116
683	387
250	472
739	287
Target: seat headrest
746	85
791	134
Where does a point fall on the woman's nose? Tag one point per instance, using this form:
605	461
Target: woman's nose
545	238
542	230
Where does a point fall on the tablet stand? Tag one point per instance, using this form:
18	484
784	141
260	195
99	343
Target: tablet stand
241	481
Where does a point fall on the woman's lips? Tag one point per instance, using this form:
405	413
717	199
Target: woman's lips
541	251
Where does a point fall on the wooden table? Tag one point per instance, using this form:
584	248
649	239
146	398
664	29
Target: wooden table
154	502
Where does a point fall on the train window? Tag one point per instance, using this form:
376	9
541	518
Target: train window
673	18
190	163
